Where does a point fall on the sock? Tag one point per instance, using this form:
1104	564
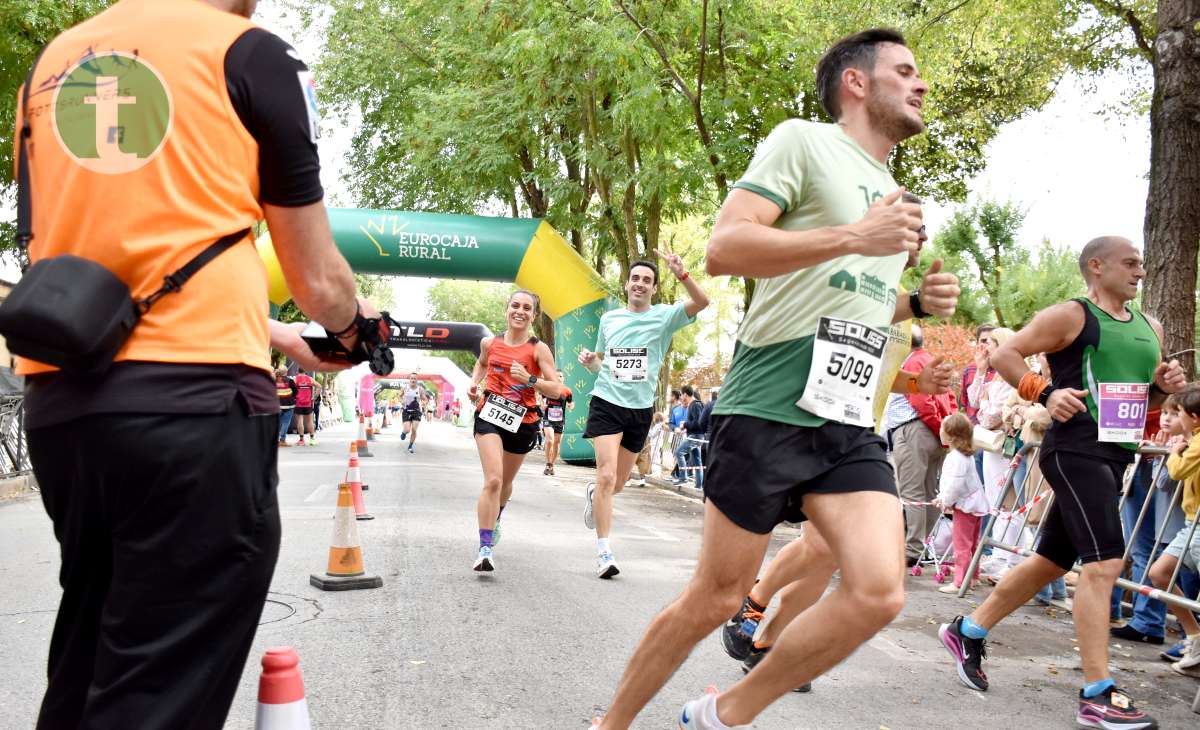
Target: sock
760	646
972	630
753	603
706	712
1096	688
500	513
485	538
602	545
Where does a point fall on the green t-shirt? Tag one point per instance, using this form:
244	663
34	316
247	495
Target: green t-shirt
818	177
629	332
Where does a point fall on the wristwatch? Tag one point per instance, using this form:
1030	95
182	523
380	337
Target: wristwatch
914	303
533	380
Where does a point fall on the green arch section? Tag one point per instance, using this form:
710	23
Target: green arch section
526	251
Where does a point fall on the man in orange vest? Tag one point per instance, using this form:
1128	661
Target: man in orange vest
157	128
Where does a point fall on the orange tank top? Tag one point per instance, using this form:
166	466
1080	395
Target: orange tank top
500	381
138	161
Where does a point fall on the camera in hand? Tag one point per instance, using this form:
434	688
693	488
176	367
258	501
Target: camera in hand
371	346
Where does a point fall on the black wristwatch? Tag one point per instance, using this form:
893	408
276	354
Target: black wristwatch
533	380
914	303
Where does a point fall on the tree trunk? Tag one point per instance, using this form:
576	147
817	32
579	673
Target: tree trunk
1172	228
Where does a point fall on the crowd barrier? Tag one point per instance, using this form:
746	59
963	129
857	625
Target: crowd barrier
14	449
1018	508
664	444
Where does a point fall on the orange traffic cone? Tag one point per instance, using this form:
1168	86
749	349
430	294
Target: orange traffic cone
385	418
281	703
345	571
354	479
362	438
353	462
371	428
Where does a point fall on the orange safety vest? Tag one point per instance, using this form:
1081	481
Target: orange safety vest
138	161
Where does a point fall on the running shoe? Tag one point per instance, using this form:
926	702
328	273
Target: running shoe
689	718
285	444
312	441
1112	710
968	654
606	566
1128	633
484	563
300	443
411	450
589	518
551	470
546	471
756	656
403	435
1175	653
738	634
1189	665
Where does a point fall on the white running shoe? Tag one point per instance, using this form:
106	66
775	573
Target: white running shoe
484	563
589	518
689	718
606	566
1189	665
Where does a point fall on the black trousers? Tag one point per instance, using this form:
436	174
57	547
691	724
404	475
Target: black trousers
169	531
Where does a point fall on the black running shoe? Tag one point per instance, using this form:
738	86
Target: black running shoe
738	633
756	656
1128	633
968	654
1112	710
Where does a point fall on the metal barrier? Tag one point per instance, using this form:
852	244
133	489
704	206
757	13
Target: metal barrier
670	446
14	448
1166	596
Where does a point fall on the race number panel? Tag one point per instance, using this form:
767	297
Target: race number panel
502	412
846	363
554	413
629	364
1123	409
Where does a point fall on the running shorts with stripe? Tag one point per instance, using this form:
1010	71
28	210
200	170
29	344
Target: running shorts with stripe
1084	522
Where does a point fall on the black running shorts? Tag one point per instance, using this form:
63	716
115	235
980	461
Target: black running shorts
606	419
410	414
1084	522
556	426
758	471
304	411
520	442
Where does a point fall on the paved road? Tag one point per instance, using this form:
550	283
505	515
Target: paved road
542	642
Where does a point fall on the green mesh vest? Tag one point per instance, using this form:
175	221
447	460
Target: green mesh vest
1106	351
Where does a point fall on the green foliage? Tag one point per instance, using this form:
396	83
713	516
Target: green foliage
483	302
375	289
1002	281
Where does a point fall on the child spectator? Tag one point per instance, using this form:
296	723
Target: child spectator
961	489
1184	465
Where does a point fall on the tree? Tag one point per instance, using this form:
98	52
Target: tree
375	289
483	302
985	235
1170	42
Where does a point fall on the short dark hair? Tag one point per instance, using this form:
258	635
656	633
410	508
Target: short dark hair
649	265
983	329
1189	400
853	51
688	390
675	393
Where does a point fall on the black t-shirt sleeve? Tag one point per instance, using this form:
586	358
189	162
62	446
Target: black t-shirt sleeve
273	95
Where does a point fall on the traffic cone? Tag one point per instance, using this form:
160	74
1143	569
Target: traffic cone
371	428
281	703
353	462
345	571
354	479
362	438
385	417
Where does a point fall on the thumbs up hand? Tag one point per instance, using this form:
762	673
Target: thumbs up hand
935	378
939	291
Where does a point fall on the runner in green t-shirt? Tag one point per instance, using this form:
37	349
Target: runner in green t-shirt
629	353
816	220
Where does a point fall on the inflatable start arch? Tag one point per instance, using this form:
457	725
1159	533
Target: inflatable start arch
526	251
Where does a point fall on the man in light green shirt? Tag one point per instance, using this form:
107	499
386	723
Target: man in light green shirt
818	222
629	353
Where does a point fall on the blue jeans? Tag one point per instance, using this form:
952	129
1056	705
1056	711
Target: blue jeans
698	461
682	455
1149	617
285	421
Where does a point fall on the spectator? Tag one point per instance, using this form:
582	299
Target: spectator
285	388
916	424
694	429
683	450
961	490
968	377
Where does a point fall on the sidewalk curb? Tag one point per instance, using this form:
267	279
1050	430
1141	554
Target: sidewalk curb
14	487
667	486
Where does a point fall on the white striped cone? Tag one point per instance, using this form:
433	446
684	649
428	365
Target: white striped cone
281	703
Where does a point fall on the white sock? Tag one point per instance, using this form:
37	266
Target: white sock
602	545
706	711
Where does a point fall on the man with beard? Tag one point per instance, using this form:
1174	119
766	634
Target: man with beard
818	221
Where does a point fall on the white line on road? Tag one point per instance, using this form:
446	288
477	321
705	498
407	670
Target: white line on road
318	494
659	534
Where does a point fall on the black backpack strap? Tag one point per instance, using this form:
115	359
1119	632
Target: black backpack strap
175	281
24	204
